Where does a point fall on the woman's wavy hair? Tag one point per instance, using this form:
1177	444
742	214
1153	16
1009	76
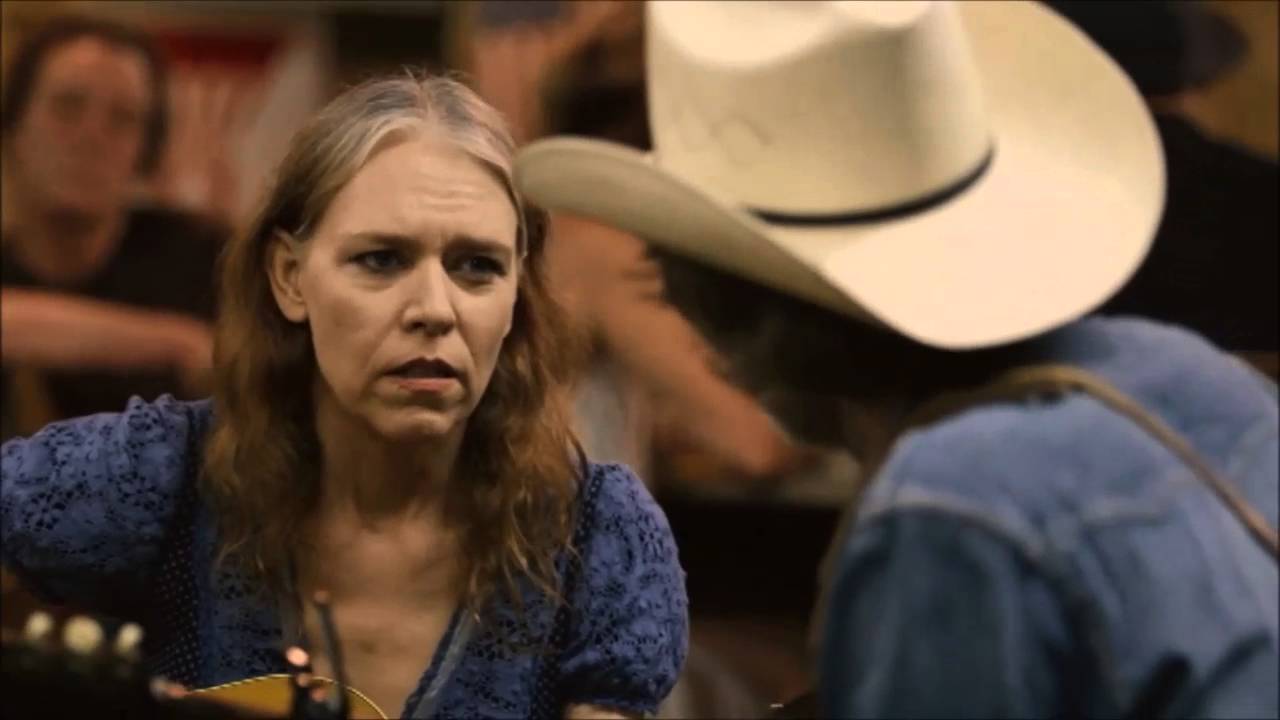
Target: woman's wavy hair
514	508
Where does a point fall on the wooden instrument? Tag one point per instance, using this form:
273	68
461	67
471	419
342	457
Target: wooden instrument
273	696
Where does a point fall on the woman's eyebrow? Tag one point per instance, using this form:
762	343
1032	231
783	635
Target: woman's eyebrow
380	238
471	243
483	245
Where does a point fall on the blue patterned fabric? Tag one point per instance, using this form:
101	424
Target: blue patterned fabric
103	512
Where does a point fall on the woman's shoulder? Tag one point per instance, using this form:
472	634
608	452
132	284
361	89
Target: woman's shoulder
86	503
148	449
622	531
165	421
613	496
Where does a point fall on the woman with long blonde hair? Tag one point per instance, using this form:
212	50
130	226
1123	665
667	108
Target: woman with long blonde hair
387	426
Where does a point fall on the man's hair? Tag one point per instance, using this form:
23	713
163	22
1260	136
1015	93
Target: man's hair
809	359
20	80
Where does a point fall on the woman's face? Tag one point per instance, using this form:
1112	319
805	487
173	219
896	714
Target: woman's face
408	285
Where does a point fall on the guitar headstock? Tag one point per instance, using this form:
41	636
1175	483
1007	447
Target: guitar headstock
73	665
87	667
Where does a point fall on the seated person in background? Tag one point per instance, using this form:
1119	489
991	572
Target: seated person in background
1063	515
591	81
615	287
102	299
388	424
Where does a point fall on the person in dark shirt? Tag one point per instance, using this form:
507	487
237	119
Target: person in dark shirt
102	299
1212	267
161	267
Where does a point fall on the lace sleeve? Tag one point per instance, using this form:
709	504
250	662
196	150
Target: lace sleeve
629	633
85	503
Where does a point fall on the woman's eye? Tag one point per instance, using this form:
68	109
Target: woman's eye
481	267
379	261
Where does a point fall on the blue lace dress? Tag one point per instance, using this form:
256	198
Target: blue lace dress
103	512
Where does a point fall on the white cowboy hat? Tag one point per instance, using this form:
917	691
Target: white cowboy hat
967	175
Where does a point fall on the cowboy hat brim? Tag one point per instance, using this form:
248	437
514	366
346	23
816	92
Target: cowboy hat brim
1060	219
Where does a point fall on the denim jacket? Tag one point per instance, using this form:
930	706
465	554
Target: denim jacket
1048	557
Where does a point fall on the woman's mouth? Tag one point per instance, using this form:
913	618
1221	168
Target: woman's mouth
426	375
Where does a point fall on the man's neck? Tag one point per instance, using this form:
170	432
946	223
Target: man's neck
56	246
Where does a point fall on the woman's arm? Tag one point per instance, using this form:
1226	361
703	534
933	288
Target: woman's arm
85	504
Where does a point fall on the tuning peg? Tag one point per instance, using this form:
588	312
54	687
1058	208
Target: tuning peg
301	680
82	635
298	660
38	629
128	642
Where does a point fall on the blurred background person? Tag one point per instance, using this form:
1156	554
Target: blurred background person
102	298
509	48
1213	265
577	68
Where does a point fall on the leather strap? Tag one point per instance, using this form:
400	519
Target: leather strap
1060	379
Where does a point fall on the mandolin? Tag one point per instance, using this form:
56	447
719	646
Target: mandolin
273	696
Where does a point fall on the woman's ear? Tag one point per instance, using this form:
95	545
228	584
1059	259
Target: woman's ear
284	263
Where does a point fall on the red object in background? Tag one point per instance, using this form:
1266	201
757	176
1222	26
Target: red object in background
242	51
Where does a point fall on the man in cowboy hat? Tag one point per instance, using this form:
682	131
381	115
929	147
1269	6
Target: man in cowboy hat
917	204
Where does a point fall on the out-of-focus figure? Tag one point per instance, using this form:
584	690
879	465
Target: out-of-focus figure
512	46
103	298
197	173
1213	264
577	68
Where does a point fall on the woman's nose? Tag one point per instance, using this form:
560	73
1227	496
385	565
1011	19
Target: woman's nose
428	306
